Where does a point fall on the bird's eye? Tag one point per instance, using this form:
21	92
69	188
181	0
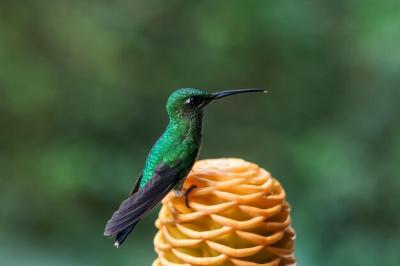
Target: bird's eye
193	101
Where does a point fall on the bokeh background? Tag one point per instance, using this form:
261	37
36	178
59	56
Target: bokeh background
82	91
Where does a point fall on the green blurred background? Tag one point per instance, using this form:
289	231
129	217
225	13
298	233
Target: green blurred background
82	91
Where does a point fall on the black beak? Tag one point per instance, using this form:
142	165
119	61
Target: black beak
222	94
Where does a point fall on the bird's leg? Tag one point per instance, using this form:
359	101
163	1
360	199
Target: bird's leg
187	194
178	188
180	193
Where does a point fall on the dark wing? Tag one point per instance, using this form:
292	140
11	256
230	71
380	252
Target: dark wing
137	184
140	203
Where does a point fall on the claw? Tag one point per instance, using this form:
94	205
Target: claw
187	194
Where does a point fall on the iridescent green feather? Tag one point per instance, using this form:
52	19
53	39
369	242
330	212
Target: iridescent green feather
181	141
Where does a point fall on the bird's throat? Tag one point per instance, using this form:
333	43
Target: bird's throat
188	127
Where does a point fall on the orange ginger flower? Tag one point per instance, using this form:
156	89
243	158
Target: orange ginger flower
238	216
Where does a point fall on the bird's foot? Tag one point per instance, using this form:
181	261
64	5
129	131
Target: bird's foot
186	194
179	193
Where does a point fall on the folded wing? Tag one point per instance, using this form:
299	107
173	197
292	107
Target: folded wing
142	200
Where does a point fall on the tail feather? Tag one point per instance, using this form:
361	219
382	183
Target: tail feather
141	202
121	236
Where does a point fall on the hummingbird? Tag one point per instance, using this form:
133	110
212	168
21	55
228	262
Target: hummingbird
170	159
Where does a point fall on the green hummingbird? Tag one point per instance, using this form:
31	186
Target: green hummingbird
169	161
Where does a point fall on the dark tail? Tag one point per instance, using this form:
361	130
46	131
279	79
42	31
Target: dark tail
141	202
121	236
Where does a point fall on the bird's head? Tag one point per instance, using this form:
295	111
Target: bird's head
187	102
